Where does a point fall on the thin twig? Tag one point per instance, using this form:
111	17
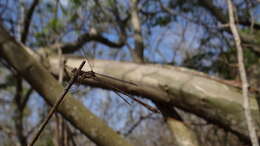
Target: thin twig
59	121
137	53
135	125
93	74
249	120
57	103
27	21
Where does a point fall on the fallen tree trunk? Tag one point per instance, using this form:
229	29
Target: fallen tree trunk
194	92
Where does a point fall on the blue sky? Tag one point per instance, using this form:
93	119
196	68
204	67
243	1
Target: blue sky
168	48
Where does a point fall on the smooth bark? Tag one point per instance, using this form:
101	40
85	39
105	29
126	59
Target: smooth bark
192	91
45	84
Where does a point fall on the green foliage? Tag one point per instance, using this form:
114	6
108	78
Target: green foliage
250	58
73	18
225	65
45	140
246	30
55	25
77	2
195	62
41	37
111	3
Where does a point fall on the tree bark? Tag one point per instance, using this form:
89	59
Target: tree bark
192	91
45	84
183	135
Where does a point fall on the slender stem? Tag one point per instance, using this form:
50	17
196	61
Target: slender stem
57	103
248	116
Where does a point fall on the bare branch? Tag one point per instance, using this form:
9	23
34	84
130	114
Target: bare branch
136	124
219	14
175	86
38	77
27	21
19	111
248	115
26	98
93	35
139	43
57	103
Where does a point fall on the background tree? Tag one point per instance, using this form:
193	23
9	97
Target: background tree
180	56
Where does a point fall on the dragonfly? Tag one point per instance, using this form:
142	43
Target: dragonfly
95	76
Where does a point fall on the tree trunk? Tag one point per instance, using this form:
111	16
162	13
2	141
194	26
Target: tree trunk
45	84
